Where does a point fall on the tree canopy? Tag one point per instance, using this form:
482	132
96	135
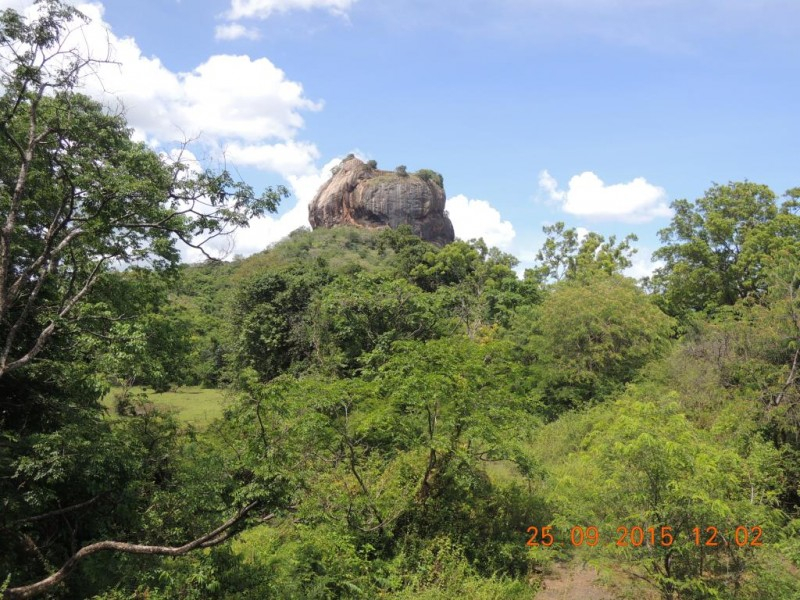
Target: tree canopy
78	195
719	248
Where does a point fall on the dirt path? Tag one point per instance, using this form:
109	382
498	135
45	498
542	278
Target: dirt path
573	582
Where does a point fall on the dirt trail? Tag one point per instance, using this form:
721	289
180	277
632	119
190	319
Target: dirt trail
573	582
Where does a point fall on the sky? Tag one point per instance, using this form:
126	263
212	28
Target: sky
598	113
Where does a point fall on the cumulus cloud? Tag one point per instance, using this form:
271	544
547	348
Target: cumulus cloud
257	126
476	219
549	185
263	117
582	233
291	158
263	9
235	31
18	5
588	196
199	103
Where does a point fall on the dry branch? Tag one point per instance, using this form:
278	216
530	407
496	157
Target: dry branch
212	538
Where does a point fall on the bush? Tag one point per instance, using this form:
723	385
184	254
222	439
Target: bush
429	175
401	170
372	164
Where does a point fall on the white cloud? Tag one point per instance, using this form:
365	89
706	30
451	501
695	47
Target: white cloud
235	31
263	9
291	158
588	196
200	103
477	218
18	5
226	100
244	111
549	185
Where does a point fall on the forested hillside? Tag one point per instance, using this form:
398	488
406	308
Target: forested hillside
399	420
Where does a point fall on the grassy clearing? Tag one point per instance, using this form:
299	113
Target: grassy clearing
192	404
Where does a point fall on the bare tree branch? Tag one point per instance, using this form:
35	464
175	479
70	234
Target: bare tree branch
58	512
212	538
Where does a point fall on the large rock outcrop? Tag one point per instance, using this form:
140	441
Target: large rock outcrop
358	194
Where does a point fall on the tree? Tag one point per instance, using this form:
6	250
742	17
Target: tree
78	200
474	283
78	196
356	316
401	453
567	255
718	248
268	319
645	465
590	337
432	176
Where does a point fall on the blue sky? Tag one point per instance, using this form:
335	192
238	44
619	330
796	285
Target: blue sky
594	112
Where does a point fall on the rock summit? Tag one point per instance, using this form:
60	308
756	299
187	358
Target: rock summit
360	194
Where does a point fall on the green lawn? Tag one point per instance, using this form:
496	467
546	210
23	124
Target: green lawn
192	404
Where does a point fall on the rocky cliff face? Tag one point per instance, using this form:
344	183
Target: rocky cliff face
366	197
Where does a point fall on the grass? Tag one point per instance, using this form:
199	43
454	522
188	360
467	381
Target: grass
192	404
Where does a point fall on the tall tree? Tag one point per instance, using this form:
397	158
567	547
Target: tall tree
567	255
78	195
717	249
590	337
79	198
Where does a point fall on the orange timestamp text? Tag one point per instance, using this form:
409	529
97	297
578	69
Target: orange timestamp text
637	536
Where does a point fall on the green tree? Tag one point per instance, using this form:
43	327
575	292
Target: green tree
718	248
270	330
78	196
400	455
565	255
359	315
432	176
644	464
474	283
590	337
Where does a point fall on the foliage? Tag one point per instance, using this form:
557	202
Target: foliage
356	316
719	247
401	414
566	255
401	170
474	283
432	176
268	317
588	338
652	468
77	194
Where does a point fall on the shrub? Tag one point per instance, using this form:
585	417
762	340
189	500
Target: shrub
401	170
430	175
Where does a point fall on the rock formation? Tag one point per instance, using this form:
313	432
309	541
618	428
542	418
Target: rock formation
359	194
